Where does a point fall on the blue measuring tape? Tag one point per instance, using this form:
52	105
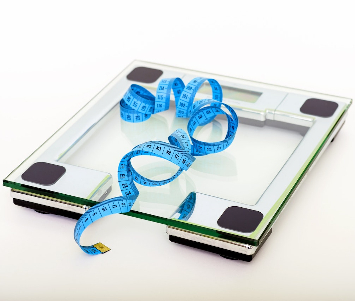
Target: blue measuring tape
137	105
187	207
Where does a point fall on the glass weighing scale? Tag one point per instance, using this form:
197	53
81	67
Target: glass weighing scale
232	198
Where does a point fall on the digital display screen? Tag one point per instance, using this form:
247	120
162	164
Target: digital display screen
233	93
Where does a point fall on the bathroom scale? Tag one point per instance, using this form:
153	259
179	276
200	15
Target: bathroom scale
229	200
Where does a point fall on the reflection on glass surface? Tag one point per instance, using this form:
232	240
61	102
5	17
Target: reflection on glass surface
186	208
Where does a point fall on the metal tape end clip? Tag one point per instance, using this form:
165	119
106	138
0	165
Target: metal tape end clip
101	247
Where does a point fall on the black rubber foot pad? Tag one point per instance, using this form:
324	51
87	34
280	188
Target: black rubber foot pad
319	107
240	219
144	75
43	173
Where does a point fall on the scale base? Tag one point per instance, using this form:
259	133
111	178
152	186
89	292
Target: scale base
227	249
46	209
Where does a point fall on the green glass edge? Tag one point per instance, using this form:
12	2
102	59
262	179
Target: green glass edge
192	228
48	193
157	219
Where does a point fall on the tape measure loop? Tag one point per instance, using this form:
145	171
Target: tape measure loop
203	115
107	207
185	103
137	105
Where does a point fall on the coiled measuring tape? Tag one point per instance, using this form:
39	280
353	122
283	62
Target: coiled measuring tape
137	105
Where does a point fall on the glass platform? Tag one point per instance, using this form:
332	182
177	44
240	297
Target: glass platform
281	132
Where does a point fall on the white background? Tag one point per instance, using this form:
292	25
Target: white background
55	56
